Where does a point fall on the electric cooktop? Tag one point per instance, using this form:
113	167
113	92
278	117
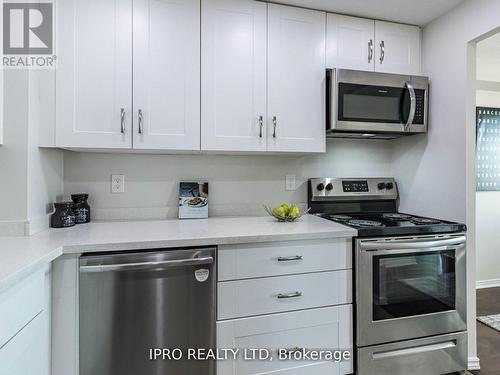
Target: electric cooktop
370	205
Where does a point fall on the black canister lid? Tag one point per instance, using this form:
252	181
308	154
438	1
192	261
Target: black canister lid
79	196
62	204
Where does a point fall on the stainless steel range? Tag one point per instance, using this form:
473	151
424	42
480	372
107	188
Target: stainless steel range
410	287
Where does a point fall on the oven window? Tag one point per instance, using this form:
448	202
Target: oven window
413	284
372	103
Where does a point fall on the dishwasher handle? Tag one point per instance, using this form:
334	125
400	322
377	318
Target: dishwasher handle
148	265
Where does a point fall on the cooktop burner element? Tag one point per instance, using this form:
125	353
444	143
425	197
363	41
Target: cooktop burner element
424	221
396	216
370	205
365	223
340	217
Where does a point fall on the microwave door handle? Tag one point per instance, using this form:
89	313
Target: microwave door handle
413	106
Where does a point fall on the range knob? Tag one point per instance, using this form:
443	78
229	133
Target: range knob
320	187
381	185
329	186
389	186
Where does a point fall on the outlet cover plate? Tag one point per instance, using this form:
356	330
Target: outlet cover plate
290	182
118	183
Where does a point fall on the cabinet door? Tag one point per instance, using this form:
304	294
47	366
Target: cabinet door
329	328
94	75
350	42
296	79
28	352
167	74
233	113
397	48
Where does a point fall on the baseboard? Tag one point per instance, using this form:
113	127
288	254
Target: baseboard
473	363
37	224
482	284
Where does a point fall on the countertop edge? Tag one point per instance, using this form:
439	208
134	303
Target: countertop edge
52	249
209	241
30	268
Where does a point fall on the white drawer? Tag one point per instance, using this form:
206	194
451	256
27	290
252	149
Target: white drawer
326	328
20	304
269	295
283	258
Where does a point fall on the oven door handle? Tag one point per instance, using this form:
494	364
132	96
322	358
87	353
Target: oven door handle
403	245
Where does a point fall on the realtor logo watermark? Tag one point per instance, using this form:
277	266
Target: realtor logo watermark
28	35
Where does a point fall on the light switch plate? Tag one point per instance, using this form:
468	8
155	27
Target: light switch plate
290	182
118	183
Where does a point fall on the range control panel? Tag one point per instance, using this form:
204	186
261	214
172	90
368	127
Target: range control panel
334	189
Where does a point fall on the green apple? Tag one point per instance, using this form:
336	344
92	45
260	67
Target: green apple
294	211
280	212
285	208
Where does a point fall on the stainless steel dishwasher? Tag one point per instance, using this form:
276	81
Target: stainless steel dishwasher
131	303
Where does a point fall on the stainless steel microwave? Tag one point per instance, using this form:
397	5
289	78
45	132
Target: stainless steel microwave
375	105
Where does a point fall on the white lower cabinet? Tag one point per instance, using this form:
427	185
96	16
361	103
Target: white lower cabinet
27	353
328	328
25	343
285	297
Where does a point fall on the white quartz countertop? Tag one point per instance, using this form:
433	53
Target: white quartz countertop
21	255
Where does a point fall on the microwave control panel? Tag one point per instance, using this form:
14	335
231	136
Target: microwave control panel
420	107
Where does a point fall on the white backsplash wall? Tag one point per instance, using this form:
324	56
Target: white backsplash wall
238	184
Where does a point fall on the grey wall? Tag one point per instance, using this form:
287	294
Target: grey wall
438	172
238	184
488	203
13	166
30	177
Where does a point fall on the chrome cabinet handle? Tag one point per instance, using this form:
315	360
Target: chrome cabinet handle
261	125
289	295
275	124
382	51
370	50
139	116
413	106
290	258
122	120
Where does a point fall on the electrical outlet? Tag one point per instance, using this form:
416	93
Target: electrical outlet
118	183
290	182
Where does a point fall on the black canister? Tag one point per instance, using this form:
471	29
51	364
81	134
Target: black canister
63	216
81	208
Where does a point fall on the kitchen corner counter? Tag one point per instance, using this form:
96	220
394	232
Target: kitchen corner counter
21	255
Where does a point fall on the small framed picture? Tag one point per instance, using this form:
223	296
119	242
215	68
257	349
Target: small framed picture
193	200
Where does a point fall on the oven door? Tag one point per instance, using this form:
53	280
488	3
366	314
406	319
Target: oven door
409	288
378	103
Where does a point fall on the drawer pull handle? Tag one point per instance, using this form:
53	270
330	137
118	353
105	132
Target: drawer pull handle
290	258
289	295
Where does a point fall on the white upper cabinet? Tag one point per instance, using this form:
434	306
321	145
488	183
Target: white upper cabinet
397	48
363	44
233	83
166	86
350	42
94	75
296	79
